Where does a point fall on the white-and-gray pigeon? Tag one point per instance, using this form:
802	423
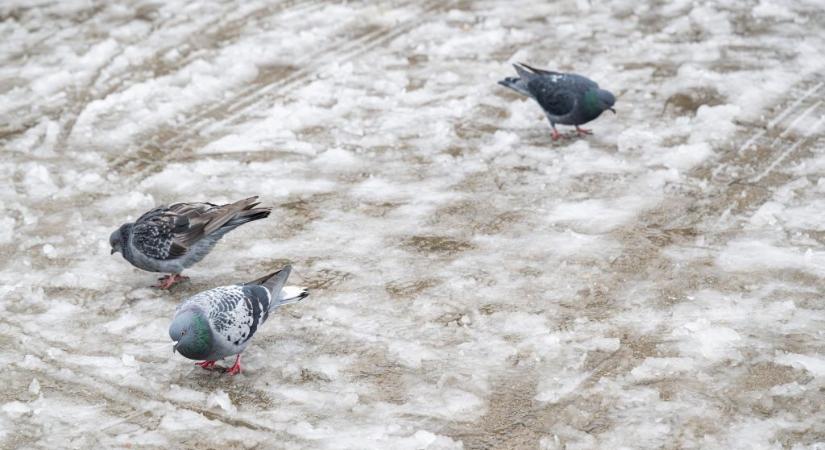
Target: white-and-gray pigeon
220	322
566	98
169	239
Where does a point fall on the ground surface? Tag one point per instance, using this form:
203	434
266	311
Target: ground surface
656	285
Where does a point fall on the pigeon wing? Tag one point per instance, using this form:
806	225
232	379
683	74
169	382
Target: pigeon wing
169	232
555	98
235	312
206	218
154	234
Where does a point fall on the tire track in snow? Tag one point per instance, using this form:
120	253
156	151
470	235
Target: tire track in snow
742	180
68	373
515	418
681	217
188	135
192	44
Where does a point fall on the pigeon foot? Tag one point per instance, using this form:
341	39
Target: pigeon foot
208	365
168	281
556	135
583	131
236	368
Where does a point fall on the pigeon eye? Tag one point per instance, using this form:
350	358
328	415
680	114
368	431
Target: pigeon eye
182	333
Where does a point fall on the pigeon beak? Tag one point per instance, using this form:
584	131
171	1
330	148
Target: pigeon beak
113	251
175	347
614	111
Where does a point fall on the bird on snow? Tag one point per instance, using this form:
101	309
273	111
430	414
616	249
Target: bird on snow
169	239
566	98
220	322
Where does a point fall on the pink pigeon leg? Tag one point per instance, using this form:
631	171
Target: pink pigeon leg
206	364
168	281
582	131
236	368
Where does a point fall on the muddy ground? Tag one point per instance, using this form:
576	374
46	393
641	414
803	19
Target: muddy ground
474	284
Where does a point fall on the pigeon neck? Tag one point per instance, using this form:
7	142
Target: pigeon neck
197	341
202	334
125	234
591	105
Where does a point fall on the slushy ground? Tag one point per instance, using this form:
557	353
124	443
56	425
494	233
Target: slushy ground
474	284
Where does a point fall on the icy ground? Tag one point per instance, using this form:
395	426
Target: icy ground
474	284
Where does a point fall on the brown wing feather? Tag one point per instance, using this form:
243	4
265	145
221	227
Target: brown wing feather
170	231
206	218
196	215
228	212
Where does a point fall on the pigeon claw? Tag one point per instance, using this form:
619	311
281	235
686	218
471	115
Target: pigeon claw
556	135
168	281
208	365
582	131
236	368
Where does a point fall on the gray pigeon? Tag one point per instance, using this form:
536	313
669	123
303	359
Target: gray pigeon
169	239
220	322
566	98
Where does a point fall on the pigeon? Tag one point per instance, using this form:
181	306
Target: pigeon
566	98
169	239
220	322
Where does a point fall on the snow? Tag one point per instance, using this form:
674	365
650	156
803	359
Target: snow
474	284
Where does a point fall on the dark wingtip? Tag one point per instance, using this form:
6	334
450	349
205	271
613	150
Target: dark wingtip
257	214
264	279
521	67
287	268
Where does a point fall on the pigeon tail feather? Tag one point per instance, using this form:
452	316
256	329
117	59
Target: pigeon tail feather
516	84
274	283
247	216
290	295
524	71
533	70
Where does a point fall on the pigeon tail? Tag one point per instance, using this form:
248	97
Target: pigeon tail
274	283
290	295
516	84
247	213
247	216
273	280
524	71
520	68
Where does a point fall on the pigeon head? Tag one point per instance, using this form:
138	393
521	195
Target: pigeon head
117	240
596	101
606	99
191	333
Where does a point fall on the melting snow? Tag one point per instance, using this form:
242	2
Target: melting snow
473	283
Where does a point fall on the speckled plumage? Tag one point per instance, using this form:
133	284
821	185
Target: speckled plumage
169	239
233	314
565	98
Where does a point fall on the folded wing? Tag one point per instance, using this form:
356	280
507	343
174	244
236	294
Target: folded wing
168	232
